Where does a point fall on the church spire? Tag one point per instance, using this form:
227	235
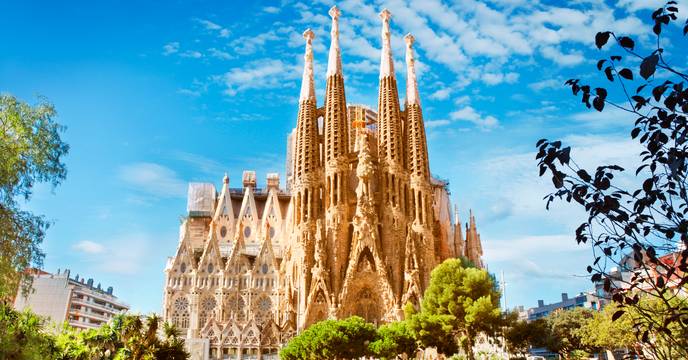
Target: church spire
390	150
386	61
306	155
307	84
336	125
334	61
417	145
411	83
336	152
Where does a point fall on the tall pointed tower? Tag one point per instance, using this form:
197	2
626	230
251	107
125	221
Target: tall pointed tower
474	248
306	189
419	173
392	180
336	148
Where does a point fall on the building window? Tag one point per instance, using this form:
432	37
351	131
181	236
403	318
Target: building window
180	315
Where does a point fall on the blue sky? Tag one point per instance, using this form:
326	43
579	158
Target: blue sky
158	94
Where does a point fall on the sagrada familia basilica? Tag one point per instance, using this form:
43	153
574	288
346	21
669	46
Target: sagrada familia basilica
357	230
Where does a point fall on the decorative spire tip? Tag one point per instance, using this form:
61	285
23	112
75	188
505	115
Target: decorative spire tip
309	35
385	15
334	12
409	39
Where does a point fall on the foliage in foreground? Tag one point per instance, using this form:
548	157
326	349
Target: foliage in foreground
331	339
32	152
646	221
459	303
578	332
24	336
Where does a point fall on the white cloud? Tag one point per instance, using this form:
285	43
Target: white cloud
170	48
271	9
219	54
191	54
468	113
498	78
189	92
462	100
153	179
247	45
436	123
263	73
609	117
555	54
89	247
546	84
213	27
441	94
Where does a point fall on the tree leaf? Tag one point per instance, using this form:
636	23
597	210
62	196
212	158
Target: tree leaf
648	66
635	132
598	103
626	42
608	72
600	63
626	73
617	315
601	39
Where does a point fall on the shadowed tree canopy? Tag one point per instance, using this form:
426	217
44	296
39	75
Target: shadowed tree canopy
32	151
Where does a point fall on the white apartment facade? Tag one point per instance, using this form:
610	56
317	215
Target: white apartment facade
79	302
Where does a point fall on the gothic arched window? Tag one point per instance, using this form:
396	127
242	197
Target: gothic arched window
180	313
207	308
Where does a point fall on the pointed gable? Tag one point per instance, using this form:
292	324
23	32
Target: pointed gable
224	215
266	263
272	217
183	263
210	265
248	221
237	263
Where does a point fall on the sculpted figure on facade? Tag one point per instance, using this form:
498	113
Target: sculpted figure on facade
357	230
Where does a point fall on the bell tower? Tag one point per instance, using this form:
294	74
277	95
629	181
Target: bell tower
336	161
419	174
306	187
392	175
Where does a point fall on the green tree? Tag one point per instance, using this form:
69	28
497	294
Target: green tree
461	301
564	335
394	339
332	339
125	337
605	332
32	152
520	335
664	343
22	335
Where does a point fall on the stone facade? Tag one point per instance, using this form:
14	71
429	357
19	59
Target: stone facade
357	230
